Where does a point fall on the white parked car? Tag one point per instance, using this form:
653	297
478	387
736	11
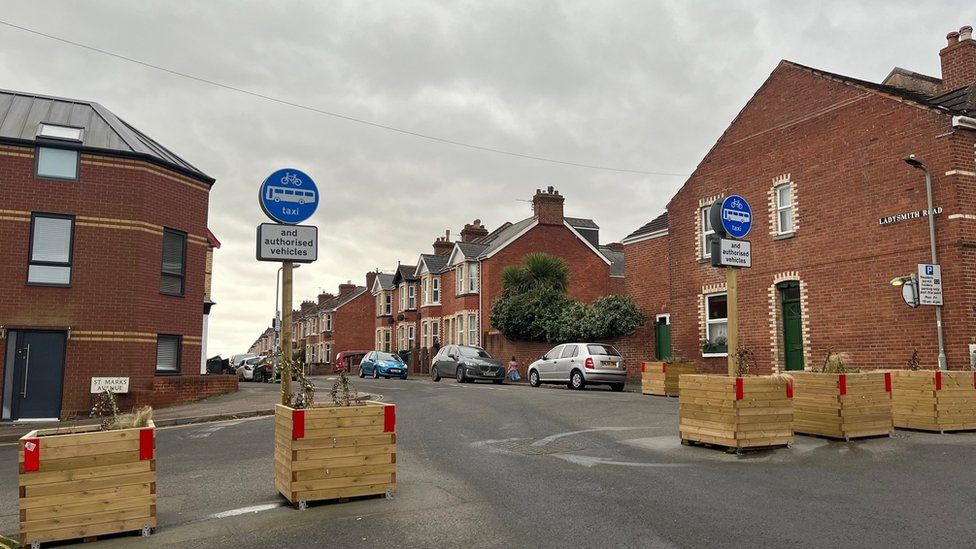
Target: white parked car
251	369
237	360
579	365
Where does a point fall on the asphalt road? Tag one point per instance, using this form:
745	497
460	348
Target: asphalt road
510	466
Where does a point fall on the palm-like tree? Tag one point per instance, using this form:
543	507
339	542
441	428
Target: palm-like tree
538	271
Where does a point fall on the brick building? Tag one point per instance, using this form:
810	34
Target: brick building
837	214
106	264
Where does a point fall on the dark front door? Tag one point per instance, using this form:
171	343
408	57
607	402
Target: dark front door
38	374
792	326
662	335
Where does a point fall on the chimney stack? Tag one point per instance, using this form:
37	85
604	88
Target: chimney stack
324	296
306	305
370	278
443	244
958	60
473	231
547	205
346	288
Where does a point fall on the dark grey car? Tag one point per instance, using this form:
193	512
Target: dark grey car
466	363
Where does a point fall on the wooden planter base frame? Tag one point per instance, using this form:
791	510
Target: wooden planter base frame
661	378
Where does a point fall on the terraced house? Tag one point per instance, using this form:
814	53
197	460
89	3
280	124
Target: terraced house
106	264
837	214
332	324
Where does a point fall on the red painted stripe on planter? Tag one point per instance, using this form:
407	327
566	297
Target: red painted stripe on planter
297	424
32	455
664	367
974	380
389	419
789	389
843	383
887	382
643	367
738	388
938	380
146	440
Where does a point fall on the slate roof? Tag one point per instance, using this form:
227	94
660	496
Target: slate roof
405	273
616	260
336	302
504	235
385	280
435	263
22	113
580	223
471	250
657	224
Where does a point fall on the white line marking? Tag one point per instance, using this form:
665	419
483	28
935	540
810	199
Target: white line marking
548	439
587	461
246	510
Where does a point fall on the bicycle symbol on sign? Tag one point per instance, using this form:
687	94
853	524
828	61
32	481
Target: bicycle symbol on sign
736	203
291	178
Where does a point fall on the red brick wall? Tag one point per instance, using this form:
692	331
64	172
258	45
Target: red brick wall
116	265
168	391
353	325
843	148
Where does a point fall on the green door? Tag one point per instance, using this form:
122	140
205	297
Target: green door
662	336
792	325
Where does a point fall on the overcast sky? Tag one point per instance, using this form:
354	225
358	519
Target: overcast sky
644	86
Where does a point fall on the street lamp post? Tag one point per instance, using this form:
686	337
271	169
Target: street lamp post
913	162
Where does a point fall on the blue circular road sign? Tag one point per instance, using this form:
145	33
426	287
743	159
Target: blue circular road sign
289	196
736	216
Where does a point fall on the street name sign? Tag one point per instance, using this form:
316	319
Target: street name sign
296	243
727	252
929	284
288	196
114	384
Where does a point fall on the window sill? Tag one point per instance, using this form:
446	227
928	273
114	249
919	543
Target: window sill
705	260
715	355
166	374
785	236
171	294
465	294
45	285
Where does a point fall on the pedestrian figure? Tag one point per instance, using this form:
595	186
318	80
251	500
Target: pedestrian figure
513	373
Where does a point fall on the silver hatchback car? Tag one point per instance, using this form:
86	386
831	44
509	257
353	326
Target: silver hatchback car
579	365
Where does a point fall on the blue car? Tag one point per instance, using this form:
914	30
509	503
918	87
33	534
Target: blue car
379	364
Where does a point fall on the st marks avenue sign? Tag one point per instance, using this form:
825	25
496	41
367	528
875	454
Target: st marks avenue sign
892	219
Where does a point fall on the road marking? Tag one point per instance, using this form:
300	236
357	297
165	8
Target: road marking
207	431
246	510
588	461
548	439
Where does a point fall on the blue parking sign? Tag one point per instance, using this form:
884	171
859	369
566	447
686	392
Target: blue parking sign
289	196
736	216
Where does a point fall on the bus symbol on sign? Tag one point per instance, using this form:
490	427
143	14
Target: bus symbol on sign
288	196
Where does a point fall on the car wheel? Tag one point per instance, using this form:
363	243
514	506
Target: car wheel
534	378
361	372
376	372
459	374
617	387
434	374
576	380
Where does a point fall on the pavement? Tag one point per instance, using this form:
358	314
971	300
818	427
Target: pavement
480	465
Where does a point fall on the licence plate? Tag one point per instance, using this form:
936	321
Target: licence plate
609	364
394	371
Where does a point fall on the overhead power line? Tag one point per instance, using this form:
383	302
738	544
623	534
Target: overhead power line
330	113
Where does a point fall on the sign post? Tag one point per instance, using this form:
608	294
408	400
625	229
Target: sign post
288	197
732	218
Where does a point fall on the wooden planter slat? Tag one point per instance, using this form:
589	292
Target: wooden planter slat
333	452
842	405
736	413
934	401
83	482
661	378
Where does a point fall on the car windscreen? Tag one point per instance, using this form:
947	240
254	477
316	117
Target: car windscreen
602	350
474	352
255	360
387	356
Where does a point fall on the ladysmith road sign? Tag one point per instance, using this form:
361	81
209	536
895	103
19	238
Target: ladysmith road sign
289	196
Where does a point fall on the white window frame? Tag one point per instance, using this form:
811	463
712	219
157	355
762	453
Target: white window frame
426	292
411	336
411	296
472	278
328	322
424	334
709	323
435	328
472	329
704	222
787	208
387	340
459	280
435	290
402	293
328	353
401	334
387	303
459	326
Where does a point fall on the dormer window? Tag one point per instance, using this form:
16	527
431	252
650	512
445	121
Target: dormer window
64	133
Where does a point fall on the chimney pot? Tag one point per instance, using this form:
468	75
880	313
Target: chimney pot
952	38
966	33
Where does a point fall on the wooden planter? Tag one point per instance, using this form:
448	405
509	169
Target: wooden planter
328	452
661	378
934	400
83	482
842	405
735	412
